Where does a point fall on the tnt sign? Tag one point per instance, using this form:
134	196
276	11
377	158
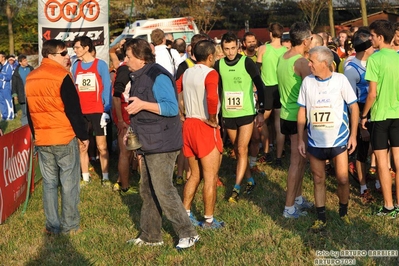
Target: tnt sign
72	10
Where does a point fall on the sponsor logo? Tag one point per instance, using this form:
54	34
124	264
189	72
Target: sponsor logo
68	35
71	10
14	165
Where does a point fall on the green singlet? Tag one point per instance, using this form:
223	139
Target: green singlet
382	67
289	84
269	64
237	98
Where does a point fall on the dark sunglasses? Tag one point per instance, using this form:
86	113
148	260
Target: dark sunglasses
63	53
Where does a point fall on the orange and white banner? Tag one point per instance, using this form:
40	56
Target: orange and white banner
67	19
15	149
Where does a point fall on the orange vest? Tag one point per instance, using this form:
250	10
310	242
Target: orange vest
46	108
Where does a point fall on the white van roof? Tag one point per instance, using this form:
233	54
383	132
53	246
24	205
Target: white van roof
183	27
166	24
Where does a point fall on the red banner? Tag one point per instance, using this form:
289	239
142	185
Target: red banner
15	149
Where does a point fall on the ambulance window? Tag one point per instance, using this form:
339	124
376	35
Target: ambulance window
185	35
144	37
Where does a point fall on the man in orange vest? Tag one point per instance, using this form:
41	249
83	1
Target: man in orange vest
57	124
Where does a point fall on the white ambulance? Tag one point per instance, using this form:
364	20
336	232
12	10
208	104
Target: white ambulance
183	28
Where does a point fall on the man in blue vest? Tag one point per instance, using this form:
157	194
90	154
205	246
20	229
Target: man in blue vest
154	118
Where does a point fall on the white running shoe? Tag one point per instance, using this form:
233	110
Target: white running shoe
187	242
139	242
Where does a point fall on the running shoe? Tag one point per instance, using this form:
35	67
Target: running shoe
116	186
128	191
352	171
385	212
234	196
219	183
187	242
214	225
306	205
193	220
346	219
297	213
139	242
249	188
318	226
372	174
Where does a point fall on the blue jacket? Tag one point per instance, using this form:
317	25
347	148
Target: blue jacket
5	76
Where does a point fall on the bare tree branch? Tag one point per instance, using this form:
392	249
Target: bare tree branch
312	9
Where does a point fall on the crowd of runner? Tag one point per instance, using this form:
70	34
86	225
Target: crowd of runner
334	102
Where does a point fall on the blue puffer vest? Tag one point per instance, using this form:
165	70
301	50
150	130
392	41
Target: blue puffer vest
156	133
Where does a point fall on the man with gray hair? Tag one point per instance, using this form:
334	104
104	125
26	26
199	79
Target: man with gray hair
324	100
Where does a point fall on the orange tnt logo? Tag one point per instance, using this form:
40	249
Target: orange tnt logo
71	10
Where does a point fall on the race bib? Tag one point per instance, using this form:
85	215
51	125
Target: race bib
86	82
233	100
322	118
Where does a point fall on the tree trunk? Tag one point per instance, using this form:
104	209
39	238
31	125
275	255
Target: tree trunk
364	12
331	18
10	15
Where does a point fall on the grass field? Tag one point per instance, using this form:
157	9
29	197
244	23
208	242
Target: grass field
255	234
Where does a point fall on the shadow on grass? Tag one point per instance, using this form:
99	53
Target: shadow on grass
361	234
268	198
58	250
133	202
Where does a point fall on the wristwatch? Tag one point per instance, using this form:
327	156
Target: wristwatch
363	117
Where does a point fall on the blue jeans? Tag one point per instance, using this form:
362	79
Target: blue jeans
24	118
160	196
60	164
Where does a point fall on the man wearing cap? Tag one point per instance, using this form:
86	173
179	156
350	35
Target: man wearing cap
6	104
